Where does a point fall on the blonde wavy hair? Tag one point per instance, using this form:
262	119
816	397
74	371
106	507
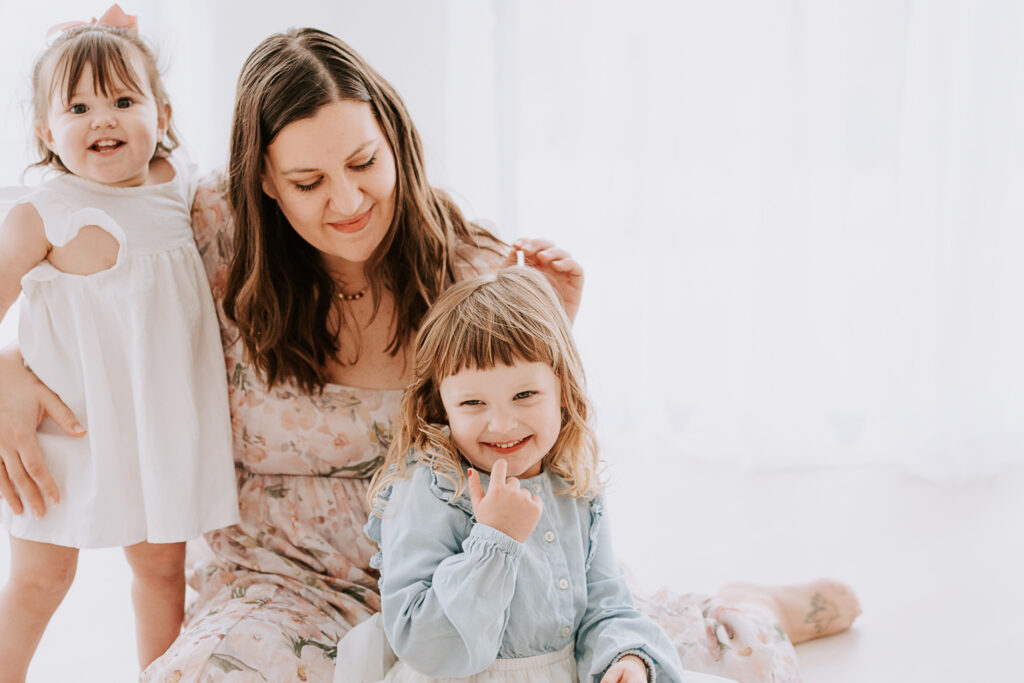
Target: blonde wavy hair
510	316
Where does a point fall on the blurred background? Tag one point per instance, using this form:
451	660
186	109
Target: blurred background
801	227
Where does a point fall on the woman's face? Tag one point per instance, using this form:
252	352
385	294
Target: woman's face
333	176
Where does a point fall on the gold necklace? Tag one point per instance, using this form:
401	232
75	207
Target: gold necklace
352	297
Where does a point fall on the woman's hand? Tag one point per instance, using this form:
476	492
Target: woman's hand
512	510
629	669
561	270
24	403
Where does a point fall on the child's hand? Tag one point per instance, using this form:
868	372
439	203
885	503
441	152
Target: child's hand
505	507
629	669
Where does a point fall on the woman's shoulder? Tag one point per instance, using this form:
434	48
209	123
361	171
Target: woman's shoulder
211	213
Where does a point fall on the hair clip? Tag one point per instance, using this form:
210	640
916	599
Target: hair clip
114	17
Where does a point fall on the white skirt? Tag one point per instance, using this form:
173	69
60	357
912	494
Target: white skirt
364	656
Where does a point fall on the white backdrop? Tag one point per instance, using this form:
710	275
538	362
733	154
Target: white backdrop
801	221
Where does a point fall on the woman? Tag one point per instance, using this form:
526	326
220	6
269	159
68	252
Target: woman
325	256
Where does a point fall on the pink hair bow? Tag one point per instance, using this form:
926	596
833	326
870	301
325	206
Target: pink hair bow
112	18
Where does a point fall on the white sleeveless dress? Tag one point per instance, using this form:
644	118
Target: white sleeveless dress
135	352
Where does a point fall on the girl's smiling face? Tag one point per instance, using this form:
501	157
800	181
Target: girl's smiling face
111	137
508	411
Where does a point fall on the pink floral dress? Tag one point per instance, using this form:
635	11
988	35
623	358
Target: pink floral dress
277	591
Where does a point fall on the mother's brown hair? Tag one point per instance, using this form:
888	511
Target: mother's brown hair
279	293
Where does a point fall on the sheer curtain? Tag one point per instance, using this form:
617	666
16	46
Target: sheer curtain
801	220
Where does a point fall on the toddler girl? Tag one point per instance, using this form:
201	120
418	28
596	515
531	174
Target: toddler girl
496	559
117	317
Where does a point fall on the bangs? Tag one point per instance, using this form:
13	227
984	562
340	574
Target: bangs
109	57
480	342
498	320
509	316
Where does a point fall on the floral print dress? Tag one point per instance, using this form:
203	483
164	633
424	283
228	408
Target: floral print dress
277	591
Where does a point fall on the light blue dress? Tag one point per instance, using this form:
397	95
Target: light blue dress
456	594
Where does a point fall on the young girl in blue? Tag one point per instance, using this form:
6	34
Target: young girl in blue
495	550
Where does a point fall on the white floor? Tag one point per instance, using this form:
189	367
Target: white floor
938	569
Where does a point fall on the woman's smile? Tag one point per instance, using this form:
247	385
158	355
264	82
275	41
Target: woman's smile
355	224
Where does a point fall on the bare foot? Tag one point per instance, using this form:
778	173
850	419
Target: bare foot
805	611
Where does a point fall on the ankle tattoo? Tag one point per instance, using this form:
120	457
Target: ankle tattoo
823	612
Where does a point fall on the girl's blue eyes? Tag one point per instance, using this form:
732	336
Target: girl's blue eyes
123	102
78	109
313	185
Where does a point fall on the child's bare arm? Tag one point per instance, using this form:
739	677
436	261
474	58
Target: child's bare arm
24	401
22	246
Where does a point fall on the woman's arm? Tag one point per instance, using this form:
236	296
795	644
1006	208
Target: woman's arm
445	588
24	401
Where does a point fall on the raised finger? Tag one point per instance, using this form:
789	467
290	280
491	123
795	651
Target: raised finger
476	489
8	493
498	472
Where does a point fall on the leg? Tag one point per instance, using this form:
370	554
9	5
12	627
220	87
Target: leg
41	574
158	595
746	633
254	632
805	611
